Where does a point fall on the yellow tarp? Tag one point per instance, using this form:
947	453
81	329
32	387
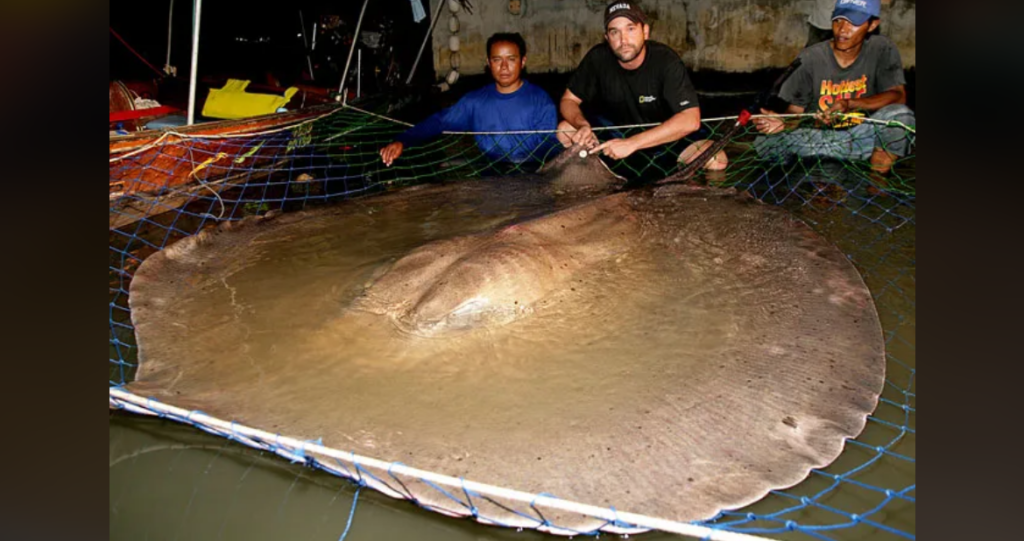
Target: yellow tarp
232	101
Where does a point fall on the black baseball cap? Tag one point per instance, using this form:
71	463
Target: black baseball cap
625	9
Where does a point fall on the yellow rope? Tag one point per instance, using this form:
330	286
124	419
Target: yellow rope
200	167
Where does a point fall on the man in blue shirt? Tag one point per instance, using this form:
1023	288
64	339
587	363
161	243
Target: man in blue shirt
510	104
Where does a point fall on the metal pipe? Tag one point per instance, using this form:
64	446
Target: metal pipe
433	23
170	17
195	61
305	46
348	61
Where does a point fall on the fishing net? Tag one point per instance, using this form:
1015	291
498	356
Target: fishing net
166	190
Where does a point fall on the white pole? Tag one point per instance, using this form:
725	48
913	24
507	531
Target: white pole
305	46
313	48
170	17
433	23
348	61
136	404
195	60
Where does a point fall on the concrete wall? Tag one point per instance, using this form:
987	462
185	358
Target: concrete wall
717	35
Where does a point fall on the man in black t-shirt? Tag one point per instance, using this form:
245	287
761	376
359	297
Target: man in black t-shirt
629	80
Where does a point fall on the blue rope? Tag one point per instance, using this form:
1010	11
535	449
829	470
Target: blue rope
351	513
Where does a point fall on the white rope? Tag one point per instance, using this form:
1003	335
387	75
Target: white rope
185	136
119	397
703	120
365	112
843	116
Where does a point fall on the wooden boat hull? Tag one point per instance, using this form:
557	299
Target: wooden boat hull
157	170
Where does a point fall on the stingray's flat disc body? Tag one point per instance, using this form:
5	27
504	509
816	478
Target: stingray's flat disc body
718	350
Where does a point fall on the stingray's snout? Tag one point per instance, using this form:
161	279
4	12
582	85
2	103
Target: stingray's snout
432	320
466	315
432	316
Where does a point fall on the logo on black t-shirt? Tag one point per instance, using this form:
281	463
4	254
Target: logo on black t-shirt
647	99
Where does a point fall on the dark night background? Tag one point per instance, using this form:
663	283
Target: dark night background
264	44
225	23
230	46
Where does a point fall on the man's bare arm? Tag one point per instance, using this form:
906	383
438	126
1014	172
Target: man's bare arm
896	94
676	127
569	107
776	125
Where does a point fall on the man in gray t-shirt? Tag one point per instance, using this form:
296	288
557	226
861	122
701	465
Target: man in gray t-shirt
853	73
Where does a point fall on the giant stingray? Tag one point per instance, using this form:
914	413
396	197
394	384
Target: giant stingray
673	351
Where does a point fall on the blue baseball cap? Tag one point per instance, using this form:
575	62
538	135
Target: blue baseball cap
857	12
